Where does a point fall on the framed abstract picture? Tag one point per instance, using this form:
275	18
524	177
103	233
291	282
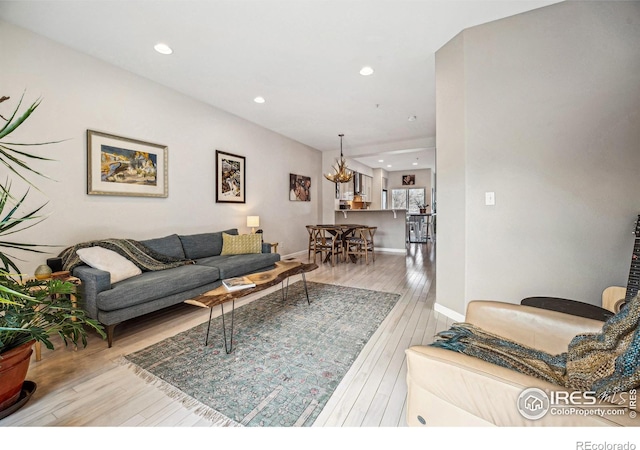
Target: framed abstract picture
123	166
230	178
299	188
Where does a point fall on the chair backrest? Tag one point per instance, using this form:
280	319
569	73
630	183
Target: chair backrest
320	232
365	234
372	231
311	229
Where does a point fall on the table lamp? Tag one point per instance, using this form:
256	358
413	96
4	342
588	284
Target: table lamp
253	222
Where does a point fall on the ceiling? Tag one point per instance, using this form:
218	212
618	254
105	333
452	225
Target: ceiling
302	56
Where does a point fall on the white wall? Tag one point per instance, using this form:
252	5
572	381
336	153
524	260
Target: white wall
543	109
451	179
377	184
80	93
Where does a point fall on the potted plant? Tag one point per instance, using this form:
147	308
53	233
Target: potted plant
423	208
31	310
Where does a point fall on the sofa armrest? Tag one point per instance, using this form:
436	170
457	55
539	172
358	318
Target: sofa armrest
613	298
446	388
546	330
266	247
94	281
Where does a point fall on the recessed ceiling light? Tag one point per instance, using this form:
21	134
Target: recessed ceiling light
163	48
259	100
413	118
388	165
381	160
366	71
415	164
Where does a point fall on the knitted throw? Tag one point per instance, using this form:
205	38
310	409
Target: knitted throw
606	362
136	252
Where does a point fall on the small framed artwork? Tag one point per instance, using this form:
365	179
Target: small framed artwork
230	178
408	180
123	166
299	188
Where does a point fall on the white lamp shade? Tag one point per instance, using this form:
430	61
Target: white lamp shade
253	221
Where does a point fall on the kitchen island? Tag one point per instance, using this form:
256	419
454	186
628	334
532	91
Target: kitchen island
391	233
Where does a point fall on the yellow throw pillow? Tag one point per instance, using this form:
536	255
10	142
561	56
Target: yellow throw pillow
241	244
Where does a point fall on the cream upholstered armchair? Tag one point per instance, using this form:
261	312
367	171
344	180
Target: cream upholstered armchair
446	388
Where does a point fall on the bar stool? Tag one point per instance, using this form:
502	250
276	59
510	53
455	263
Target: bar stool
429	226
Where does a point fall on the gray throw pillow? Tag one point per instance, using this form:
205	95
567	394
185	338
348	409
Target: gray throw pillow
203	245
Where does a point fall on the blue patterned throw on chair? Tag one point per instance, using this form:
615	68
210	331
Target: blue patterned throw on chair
606	362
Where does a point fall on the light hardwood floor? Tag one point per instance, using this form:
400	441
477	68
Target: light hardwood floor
89	387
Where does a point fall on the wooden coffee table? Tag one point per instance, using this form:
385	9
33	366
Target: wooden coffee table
262	280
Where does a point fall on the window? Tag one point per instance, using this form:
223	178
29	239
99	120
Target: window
409	199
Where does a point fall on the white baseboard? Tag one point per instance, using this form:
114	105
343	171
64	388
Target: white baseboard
304	252
391	250
450	313
295	255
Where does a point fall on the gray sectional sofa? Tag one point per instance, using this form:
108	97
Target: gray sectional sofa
112	304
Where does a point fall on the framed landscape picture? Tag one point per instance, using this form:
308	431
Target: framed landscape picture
299	188
230	178
123	166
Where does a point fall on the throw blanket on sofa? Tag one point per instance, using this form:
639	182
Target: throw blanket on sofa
139	254
607	362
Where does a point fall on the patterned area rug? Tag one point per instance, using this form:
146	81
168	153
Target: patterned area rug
288	357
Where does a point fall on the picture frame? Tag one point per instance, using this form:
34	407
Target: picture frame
230	178
299	188
123	166
408	180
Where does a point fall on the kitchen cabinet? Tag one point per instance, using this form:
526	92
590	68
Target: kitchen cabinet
361	186
365	190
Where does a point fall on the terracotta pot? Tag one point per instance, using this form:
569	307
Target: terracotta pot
14	364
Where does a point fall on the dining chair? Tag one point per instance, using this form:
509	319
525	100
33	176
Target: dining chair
361	244
326	243
311	229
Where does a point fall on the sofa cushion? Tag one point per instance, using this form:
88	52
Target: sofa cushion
119	267
168	245
157	284
203	245
241	244
236	265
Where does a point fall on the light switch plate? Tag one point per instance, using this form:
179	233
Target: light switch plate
489	198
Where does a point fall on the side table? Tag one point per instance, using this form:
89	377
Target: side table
572	307
274	246
63	276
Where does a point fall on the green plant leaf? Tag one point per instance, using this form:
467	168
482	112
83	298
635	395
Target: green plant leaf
19	163
31	309
12	124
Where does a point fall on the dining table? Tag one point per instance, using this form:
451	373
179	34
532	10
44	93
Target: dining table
340	233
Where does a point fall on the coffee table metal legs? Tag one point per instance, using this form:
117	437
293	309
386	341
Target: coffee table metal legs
285	292
228	347
304	281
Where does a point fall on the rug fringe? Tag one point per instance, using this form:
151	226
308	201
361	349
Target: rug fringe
218	419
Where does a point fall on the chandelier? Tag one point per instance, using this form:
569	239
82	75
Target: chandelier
342	173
